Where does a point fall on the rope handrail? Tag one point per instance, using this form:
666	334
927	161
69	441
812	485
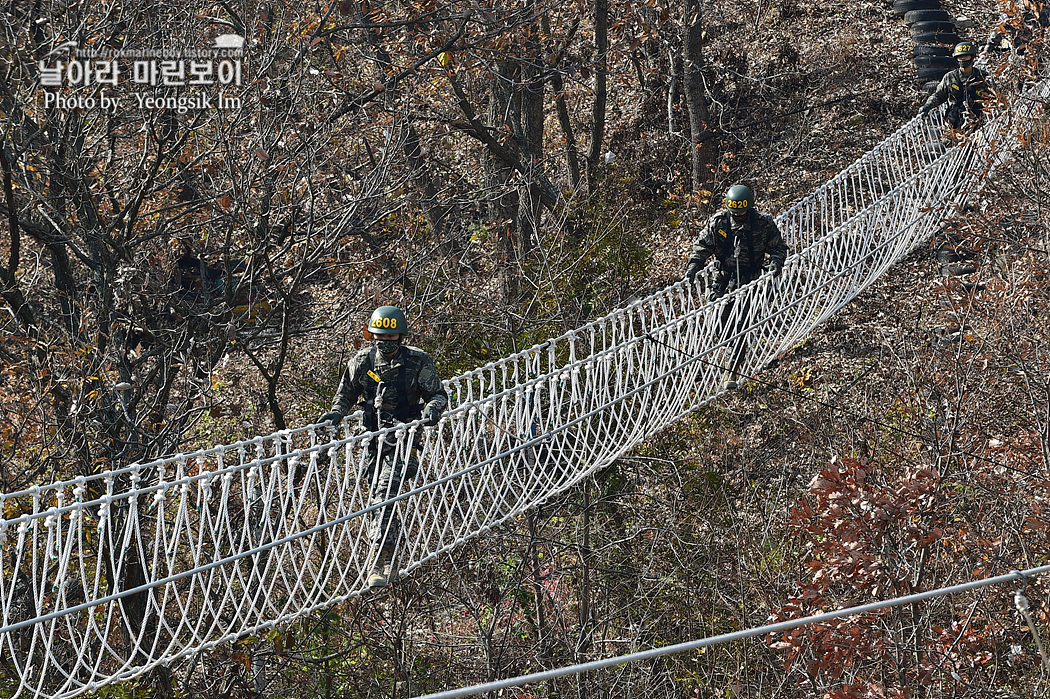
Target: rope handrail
104	577
503	361
490	366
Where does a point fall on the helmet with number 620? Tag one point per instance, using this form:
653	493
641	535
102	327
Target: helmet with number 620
387	320
739	199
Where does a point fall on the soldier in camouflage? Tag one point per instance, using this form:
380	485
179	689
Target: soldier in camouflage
739	238
966	89
397	384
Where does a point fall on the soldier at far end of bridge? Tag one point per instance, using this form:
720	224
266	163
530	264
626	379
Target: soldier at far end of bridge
966	90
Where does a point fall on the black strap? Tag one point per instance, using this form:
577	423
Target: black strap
403	411
370	419
958	96
748	238
727	248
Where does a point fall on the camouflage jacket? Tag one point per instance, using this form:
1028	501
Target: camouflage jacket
746	247
961	91
408	386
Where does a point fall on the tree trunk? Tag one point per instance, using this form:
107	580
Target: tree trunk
542	631
422	176
583	644
572	154
503	208
532	118
424	181
8	276
65	283
601	44
672	91
693	61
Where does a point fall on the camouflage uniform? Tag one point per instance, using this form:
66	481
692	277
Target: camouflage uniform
403	388
740	246
965	94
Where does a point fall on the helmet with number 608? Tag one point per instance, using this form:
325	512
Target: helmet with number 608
739	199
964	48
387	320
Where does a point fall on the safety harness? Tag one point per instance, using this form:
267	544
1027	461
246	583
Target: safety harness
404	411
723	251
963	94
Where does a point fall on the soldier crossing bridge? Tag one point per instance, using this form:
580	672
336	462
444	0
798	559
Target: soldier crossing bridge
108	576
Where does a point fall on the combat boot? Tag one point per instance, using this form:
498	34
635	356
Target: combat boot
382	567
733	378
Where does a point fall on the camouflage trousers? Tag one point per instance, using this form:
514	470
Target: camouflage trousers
724	283
384	527
737	348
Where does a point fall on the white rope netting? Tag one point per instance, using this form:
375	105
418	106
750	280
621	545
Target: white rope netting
108	576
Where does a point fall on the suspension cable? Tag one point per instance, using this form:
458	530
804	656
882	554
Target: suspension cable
1013	575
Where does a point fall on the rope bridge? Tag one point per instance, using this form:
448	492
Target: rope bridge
106	577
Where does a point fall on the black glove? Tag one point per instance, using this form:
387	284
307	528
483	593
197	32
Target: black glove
690	272
431	417
776	267
335	417
411	468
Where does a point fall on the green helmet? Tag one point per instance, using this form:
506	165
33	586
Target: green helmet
739	199
964	48
388	320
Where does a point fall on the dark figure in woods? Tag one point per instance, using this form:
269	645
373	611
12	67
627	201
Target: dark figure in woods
1015	32
966	90
396	383
739	238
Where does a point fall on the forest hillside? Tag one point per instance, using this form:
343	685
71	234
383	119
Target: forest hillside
504	172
